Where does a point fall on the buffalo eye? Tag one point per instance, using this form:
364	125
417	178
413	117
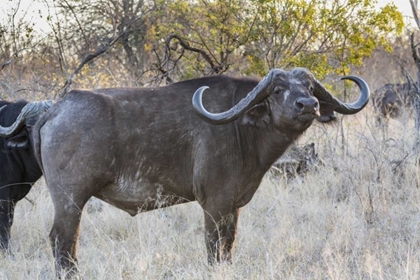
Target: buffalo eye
277	90
311	88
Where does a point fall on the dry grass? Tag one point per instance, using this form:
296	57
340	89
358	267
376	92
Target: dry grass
356	218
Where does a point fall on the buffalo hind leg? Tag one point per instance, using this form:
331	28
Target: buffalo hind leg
220	234
64	234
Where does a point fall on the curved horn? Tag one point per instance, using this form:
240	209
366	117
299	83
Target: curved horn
30	110
340	107
252	98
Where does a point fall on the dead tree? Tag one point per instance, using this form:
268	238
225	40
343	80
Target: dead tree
415	49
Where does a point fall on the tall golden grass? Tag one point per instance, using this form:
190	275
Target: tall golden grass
355	217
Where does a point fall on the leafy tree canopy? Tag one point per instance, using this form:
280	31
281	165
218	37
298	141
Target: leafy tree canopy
326	36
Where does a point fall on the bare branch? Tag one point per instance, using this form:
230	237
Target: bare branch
165	68
14	55
8	62
413	4
70	7
414	51
187	46
413	87
92	56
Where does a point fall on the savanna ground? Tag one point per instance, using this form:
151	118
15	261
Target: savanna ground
355	217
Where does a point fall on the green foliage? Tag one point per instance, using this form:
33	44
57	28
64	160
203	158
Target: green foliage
327	36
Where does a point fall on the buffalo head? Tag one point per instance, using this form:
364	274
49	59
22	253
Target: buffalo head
289	99
390	99
34	110
19	168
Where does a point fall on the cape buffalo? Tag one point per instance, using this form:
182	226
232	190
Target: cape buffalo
19	168
390	98
141	149
296	162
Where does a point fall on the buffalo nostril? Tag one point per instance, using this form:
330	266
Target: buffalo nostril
316	106
299	105
307	105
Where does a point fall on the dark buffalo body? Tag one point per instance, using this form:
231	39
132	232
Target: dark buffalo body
390	99
18	166
140	149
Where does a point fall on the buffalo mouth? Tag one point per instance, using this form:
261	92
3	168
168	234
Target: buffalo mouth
327	118
307	117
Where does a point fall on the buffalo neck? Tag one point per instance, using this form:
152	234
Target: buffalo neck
264	144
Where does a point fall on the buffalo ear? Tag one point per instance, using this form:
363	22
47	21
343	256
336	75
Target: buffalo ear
18	141
327	112
258	115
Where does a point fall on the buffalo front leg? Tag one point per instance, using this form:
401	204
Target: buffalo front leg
6	221
64	235
11	196
220	233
